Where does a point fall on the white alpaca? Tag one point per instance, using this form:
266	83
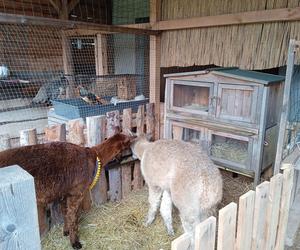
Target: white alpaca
182	173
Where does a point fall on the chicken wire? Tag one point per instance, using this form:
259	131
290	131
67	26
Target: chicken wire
39	76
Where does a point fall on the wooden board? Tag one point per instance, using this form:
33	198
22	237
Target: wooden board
205	234
182	242
115	184
55	133
28	137
5	142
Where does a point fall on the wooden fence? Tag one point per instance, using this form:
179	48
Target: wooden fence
119	179
259	222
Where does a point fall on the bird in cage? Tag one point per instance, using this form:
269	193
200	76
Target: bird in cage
89	97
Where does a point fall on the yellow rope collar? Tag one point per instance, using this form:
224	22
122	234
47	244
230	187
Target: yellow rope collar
97	175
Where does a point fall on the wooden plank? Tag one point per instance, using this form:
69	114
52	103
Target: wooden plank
126	169
5	142
260	211
205	234
76	132
150	120
182	242
28	137
272	218
226	227
19	218
260	16
67	24
140	116
115	183
285	105
101	55
245	221
138	181
96	135
287	186
113	123
55	133
177	132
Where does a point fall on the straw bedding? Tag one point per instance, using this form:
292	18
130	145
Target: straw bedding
120	225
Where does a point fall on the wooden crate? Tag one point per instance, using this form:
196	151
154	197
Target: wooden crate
126	88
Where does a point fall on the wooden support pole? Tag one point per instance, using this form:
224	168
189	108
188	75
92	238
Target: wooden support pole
28	137
95	135
285	105
101	55
5	142
18	217
55	133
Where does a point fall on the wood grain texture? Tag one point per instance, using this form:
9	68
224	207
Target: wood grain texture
76	132
140	118
28	137
205	234
182	242
5	142
113	123
17	199
55	133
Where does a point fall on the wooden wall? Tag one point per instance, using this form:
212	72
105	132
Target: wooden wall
252	46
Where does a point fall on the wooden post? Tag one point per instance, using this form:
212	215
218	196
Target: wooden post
76	132
101	55
137	182
205	234
245	221
150	120
285	105
95	135
126	168
154	71
28	137
5	142
55	133
227	225
18	217
115	182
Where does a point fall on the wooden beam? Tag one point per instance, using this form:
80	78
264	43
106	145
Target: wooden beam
101	55
67	24
154	71
72	5
261	16
56	5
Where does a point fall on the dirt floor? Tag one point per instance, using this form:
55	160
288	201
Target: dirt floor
120	225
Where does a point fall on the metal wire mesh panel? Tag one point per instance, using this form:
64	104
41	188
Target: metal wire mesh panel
52	75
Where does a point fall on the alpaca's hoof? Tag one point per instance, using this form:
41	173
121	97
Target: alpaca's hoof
66	233
77	245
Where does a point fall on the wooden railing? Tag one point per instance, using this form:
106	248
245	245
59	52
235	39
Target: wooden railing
258	222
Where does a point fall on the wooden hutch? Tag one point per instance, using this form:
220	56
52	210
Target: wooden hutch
233	113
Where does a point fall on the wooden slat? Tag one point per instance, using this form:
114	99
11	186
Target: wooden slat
19	218
177	132
101	55
262	16
126	169
55	133
140	116
5	142
150	120
272	217
287	186
182	242
205	234
28	137
245	221
260	211
95	135
226	228
76	132
115	182
113	123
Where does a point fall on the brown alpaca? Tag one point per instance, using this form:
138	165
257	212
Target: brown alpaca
63	172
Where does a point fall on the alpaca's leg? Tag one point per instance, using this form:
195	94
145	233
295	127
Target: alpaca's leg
166	211
63	207
154	201
73	204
